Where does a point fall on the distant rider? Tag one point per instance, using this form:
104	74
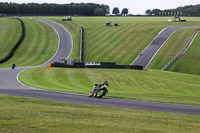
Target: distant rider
13	66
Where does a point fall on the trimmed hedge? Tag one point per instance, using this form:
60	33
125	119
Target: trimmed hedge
11	53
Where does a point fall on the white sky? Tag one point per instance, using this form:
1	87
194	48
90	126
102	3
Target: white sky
134	6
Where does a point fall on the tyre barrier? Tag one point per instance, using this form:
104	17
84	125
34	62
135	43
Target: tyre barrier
104	65
11	53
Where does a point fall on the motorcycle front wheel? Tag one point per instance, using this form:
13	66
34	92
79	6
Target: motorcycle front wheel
90	94
101	93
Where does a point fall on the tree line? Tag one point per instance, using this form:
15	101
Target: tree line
80	9
190	10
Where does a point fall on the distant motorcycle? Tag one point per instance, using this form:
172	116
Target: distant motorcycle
99	93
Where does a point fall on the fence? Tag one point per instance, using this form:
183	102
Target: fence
81	44
11	53
182	51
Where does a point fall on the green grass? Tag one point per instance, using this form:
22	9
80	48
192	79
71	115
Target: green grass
148	85
189	62
30	115
39	45
171	48
10	32
120	44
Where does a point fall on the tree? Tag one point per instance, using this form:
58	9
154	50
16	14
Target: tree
156	12
148	12
106	8
124	12
115	11
99	12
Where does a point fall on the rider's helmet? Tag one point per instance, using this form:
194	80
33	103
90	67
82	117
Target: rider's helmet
105	83
96	85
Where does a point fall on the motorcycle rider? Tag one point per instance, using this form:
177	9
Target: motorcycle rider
95	88
104	83
99	86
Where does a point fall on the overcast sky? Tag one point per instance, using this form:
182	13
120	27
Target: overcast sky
134	6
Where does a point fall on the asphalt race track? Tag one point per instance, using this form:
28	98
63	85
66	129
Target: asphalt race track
65	41
9	85
106	102
149	52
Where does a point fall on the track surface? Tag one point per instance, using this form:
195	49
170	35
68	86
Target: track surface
65	41
148	54
9	85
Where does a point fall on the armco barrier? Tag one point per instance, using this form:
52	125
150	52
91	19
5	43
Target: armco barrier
102	65
81	44
11	53
182	51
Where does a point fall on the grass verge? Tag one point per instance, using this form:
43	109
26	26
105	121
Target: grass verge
31	115
148	85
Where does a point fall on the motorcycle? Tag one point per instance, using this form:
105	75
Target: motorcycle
99	93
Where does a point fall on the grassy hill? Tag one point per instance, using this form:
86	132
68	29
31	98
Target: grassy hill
38	46
124	43
148	85
10	32
120	44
